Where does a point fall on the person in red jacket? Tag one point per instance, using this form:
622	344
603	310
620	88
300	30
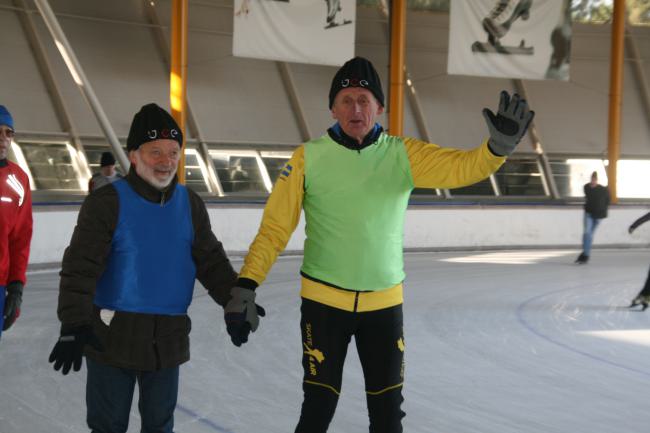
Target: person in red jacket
15	226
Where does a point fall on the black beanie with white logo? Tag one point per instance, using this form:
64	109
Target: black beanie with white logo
152	123
358	72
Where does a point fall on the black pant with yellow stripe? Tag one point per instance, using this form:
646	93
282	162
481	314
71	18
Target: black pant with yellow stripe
378	334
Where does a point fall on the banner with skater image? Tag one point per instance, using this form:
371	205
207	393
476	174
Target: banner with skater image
301	31
527	39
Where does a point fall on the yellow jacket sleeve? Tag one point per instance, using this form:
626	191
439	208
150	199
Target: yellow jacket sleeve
433	166
281	216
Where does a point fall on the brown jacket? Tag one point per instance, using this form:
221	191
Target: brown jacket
134	340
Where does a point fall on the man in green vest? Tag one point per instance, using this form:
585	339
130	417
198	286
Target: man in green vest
354	185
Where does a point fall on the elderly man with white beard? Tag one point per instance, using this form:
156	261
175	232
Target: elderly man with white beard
127	280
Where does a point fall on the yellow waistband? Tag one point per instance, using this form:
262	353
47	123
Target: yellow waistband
346	299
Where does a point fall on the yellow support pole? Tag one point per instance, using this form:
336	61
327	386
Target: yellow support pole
397	50
178	74
615	96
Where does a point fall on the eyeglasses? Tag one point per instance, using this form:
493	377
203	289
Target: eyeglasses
8	132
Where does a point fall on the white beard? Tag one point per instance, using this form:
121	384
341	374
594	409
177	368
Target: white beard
148	174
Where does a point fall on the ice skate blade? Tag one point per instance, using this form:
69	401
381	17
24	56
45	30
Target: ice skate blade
486	47
333	24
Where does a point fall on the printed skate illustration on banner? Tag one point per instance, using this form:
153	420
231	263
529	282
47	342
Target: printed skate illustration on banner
245	8
497	24
333	8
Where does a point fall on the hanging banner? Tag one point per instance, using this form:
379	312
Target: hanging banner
527	39
301	31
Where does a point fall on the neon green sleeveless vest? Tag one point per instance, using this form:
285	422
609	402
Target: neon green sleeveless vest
354	205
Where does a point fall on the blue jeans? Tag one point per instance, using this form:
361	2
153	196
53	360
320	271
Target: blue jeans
589	227
109	394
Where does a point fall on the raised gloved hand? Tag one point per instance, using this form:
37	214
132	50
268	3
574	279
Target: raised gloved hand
509	124
13	300
241	314
69	350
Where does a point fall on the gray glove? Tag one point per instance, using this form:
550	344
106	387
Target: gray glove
241	314
509	124
13	301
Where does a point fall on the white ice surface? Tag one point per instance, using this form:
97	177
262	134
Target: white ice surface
504	342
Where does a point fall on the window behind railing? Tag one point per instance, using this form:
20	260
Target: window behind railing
52	165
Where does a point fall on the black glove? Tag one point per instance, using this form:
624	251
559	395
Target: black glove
69	350
509	124
241	314
13	300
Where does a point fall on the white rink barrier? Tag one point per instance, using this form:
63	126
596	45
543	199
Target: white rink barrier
435	227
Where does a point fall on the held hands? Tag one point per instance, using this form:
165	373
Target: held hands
241	315
509	124
12	304
68	351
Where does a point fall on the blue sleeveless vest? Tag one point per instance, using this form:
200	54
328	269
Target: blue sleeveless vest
150	267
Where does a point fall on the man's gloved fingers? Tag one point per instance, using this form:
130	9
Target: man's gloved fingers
244	331
260	310
504	100
514	106
66	366
239	334
52	356
235	340
77	363
490	118
519	111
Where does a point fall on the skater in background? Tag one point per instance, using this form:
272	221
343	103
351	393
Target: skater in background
353	184
643	298
596	204
127	279
15	226
107	173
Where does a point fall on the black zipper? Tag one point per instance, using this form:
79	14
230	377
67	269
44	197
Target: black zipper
356	301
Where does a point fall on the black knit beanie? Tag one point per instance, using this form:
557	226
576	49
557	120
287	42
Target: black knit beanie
357	72
152	123
106	159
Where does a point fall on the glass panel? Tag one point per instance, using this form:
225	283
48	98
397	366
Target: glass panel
572	174
520	177
274	165
238	173
51	166
483	187
194	176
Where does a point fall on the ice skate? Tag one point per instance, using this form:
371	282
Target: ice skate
498	23
582	259
639	300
